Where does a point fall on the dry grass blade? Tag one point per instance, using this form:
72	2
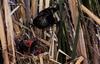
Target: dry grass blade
40	5
14	10
3	41
74	11
79	60
47	2
55	61
33	7
81	47
44	41
41	58
10	32
90	14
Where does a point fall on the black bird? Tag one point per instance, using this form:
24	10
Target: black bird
29	46
45	18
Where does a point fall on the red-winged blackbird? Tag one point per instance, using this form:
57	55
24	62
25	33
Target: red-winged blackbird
23	46
45	18
30	46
